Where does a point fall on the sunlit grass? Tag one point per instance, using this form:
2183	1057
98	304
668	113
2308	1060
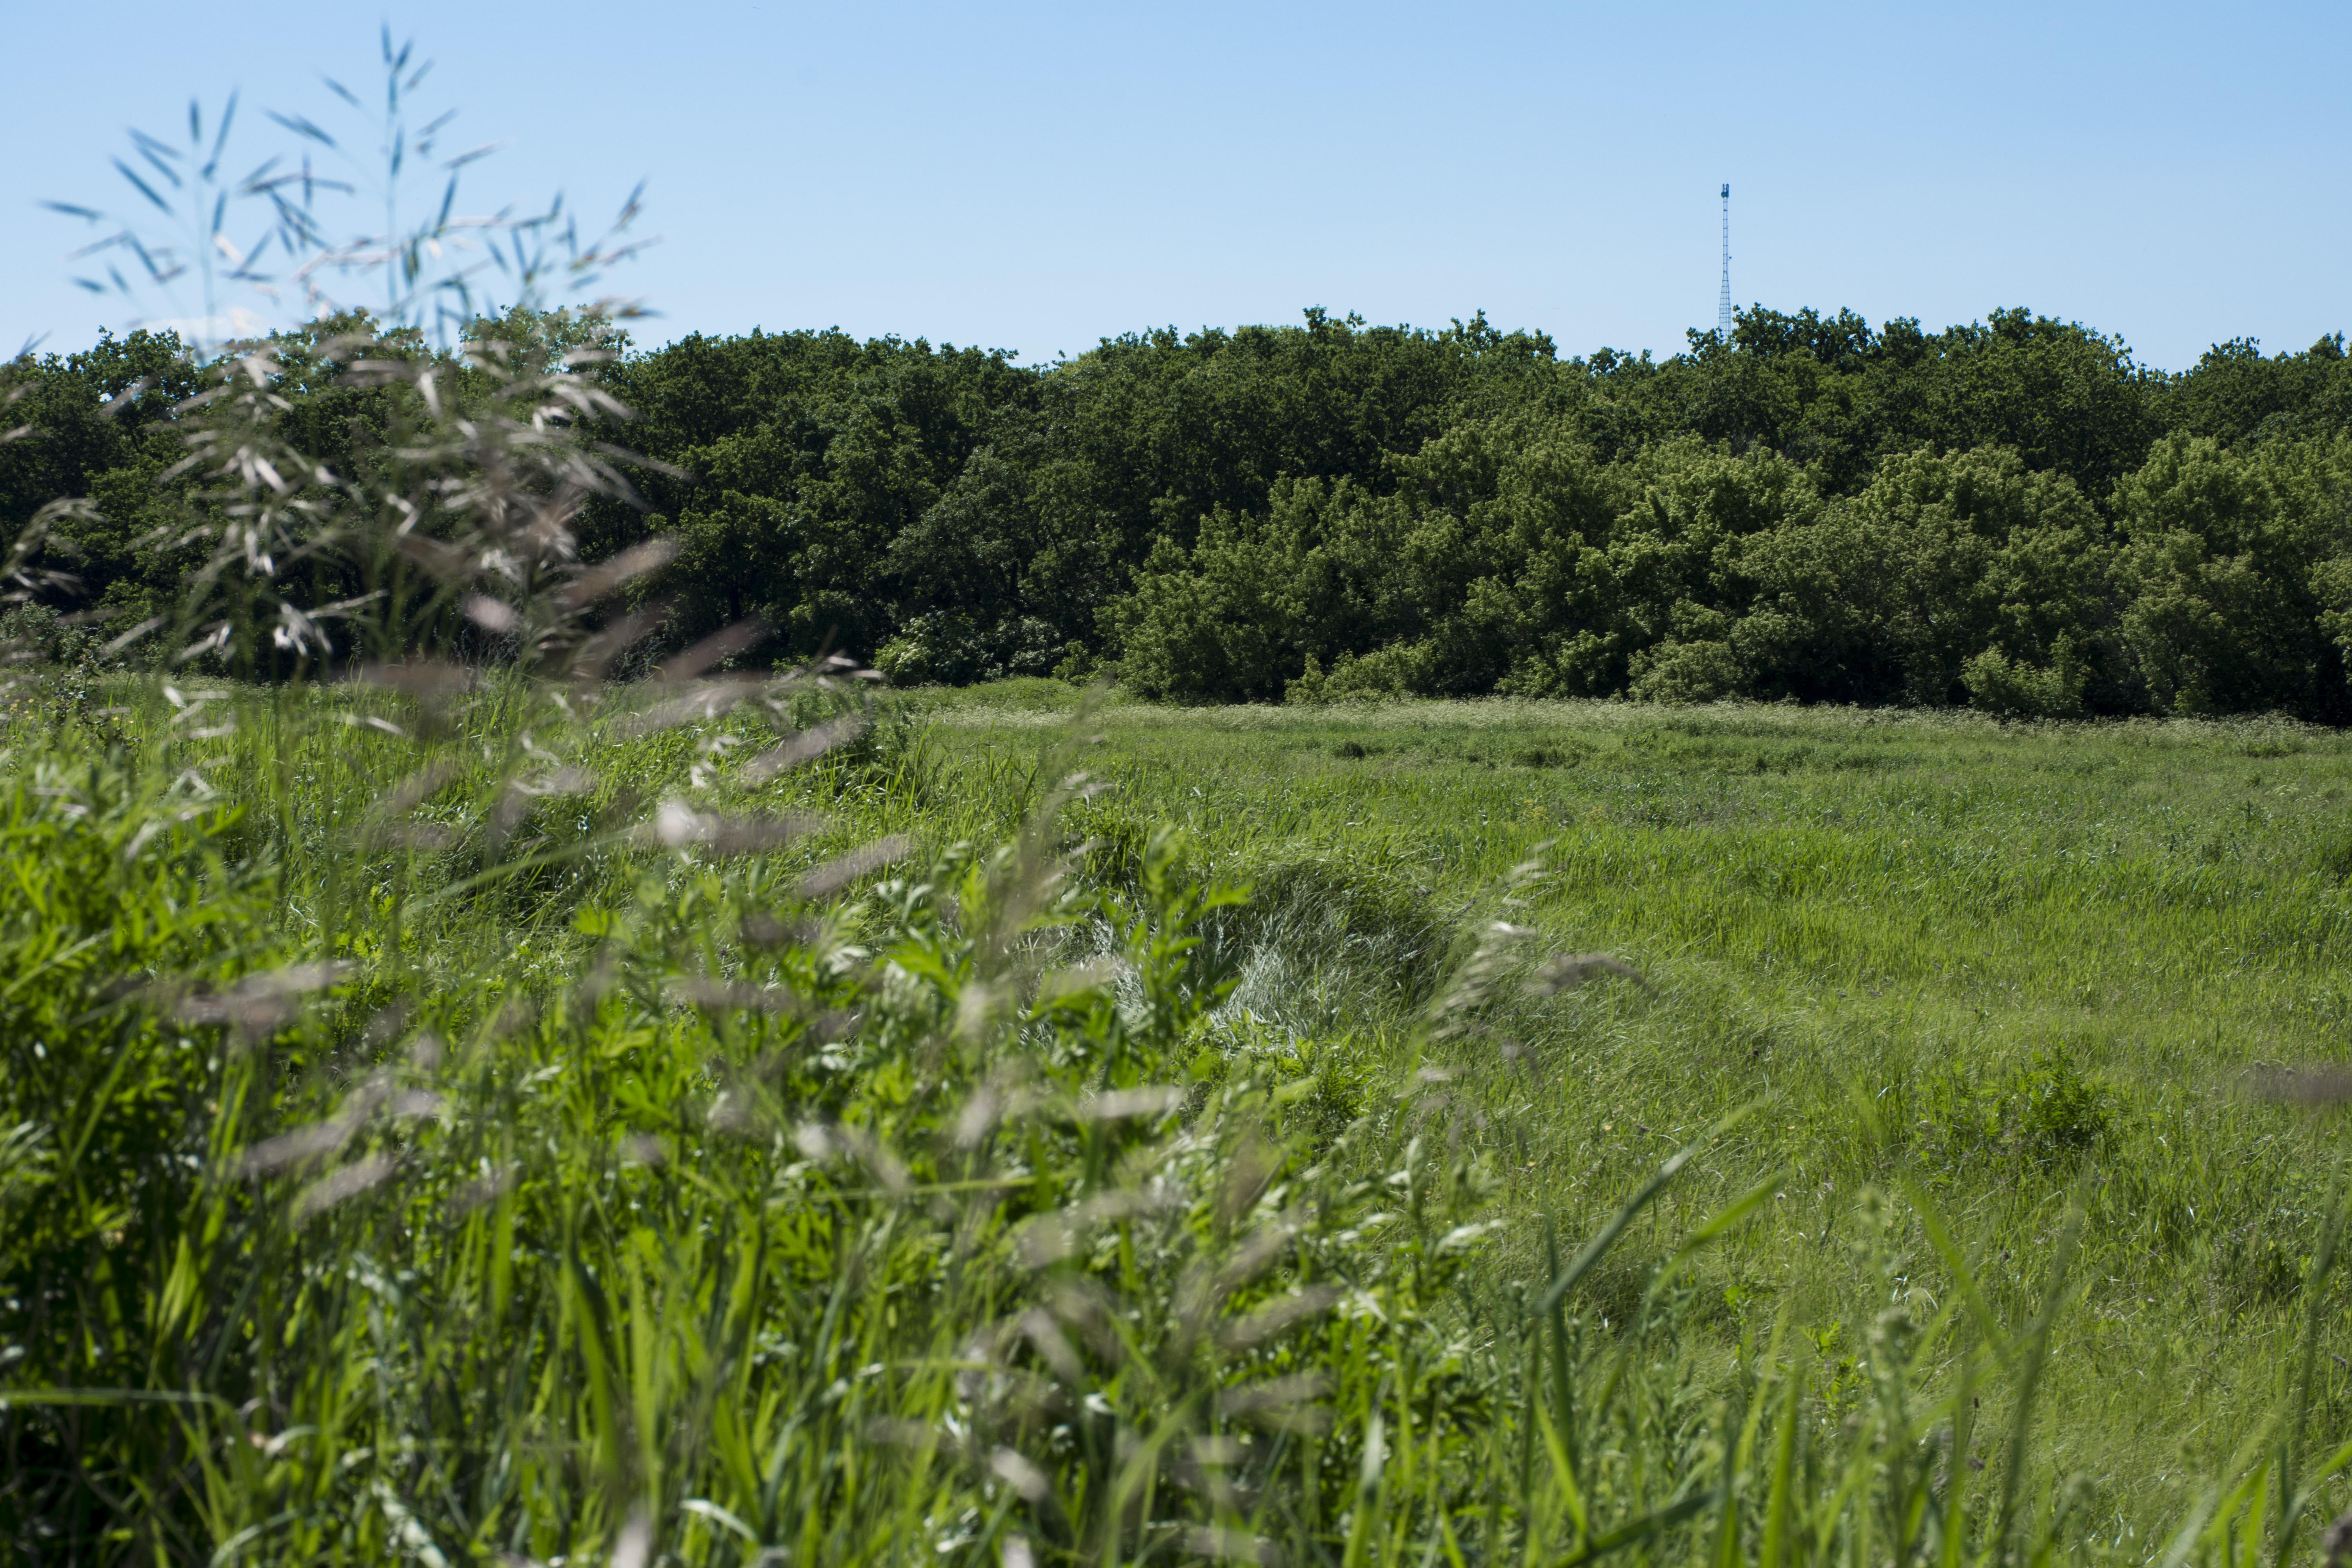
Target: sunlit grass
1882	922
2012	977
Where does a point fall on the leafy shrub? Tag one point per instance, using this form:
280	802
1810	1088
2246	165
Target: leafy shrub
1381	676
35	632
1688	672
53	668
949	647
2227	558
2041	1114
1205	627
2018	690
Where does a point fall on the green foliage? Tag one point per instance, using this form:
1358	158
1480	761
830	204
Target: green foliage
1818	509
2041	1114
128	903
1510	558
1382	674
2235	393
732	1209
2229	554
2015	690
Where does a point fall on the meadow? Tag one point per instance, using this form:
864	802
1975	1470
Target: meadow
704	1146
1981	961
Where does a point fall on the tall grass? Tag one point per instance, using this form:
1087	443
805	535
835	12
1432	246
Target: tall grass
2030	949
393	1176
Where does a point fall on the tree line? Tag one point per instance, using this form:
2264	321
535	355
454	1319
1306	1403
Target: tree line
2012	514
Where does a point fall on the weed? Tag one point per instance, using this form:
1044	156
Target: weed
2041	1115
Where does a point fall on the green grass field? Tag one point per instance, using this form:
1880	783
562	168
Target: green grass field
1990	960
2015	1015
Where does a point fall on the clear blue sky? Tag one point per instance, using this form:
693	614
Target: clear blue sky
1036	177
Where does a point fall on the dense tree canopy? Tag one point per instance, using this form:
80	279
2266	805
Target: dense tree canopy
2012	513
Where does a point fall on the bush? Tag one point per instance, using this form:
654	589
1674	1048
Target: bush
1377	676
2043	1114
35	632
949	647
2018	690
2227	562
1688	672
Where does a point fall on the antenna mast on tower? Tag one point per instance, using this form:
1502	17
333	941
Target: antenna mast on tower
1723	322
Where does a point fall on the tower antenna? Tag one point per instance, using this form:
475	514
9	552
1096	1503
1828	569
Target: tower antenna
1723	322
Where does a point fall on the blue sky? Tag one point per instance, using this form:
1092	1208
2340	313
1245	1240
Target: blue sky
1036	177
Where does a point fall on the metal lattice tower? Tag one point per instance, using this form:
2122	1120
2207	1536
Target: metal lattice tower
1723	321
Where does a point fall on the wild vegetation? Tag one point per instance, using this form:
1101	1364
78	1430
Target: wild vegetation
2012	515
583	1135
517	1048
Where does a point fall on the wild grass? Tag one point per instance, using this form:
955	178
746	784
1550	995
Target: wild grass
622	1198
1987	962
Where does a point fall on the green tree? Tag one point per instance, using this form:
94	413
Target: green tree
2227	554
